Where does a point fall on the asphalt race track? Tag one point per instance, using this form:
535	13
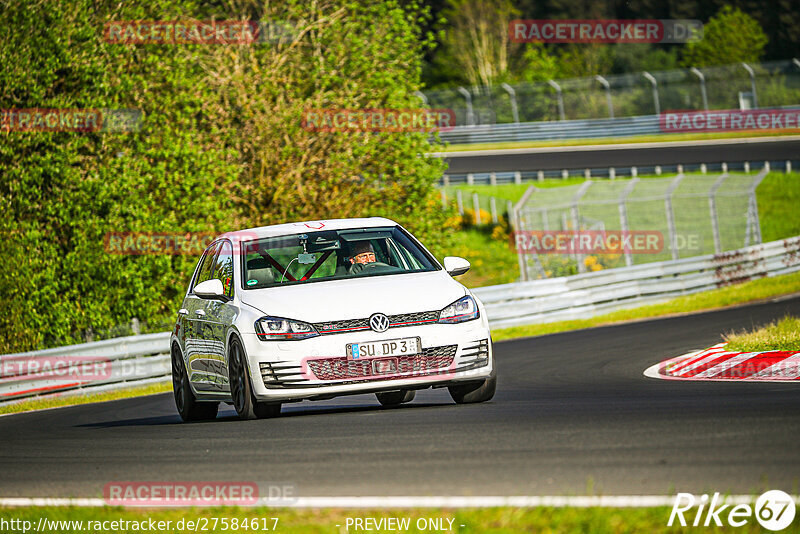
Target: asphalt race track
573	415
691	152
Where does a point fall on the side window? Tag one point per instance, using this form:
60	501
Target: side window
223	268
207	265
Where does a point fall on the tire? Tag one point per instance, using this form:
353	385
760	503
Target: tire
242	391
476	391
189	408
393	398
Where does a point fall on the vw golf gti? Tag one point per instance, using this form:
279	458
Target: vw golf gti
315	310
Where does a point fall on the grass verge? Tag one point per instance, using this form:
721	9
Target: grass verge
777	335
54	402
481	520
615	140
751	291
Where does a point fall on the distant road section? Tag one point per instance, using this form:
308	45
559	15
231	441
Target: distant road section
758	149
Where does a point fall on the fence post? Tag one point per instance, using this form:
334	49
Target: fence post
712	208
517	177
634	172
444	199
559	98
623	216
653	82
607	86
703	168
492	178
493	207
135	327
446	179
459	202
540	176
564	174
702	79
754	225
476	205
749	70
673	235
612	173
576	221
470	179
788	166
587	174
658	170
512	95
746	167
468	98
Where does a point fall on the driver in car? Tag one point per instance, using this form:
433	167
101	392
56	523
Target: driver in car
362	255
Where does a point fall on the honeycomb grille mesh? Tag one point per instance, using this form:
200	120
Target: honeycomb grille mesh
431	361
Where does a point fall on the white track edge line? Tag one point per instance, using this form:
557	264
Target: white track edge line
557	501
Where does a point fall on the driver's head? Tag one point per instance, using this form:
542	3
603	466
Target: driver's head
362	252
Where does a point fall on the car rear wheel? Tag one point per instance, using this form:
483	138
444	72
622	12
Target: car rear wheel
189	408
241	390
393	398
475	391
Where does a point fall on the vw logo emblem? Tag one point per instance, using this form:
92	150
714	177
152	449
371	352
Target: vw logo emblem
379	322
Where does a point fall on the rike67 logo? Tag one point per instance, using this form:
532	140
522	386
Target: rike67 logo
774	510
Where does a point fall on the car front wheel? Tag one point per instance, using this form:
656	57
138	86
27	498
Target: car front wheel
241	390
393	398
475	391
189	408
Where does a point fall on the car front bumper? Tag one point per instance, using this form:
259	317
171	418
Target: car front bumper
319	368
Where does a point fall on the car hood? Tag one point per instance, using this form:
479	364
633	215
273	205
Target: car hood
357	298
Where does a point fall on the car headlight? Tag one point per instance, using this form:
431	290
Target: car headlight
464	309
280	329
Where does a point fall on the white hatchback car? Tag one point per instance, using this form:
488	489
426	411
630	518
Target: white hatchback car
315	310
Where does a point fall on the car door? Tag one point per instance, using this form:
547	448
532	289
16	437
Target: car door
218	317
198	352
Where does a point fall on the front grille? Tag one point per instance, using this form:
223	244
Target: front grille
433	360
395	321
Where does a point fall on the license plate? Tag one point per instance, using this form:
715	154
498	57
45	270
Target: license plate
384	349
384	366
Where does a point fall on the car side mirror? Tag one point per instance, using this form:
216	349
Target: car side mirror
210	289
455	266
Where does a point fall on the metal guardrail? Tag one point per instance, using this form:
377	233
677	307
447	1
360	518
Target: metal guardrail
585	295
552	130
123	362
556	130
97	366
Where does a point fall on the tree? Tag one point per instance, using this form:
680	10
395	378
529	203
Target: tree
730	36
477	38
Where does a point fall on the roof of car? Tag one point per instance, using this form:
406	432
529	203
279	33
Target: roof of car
308	226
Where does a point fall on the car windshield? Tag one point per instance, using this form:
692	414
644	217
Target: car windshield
332	255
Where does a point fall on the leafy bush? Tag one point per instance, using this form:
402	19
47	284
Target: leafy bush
220	148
